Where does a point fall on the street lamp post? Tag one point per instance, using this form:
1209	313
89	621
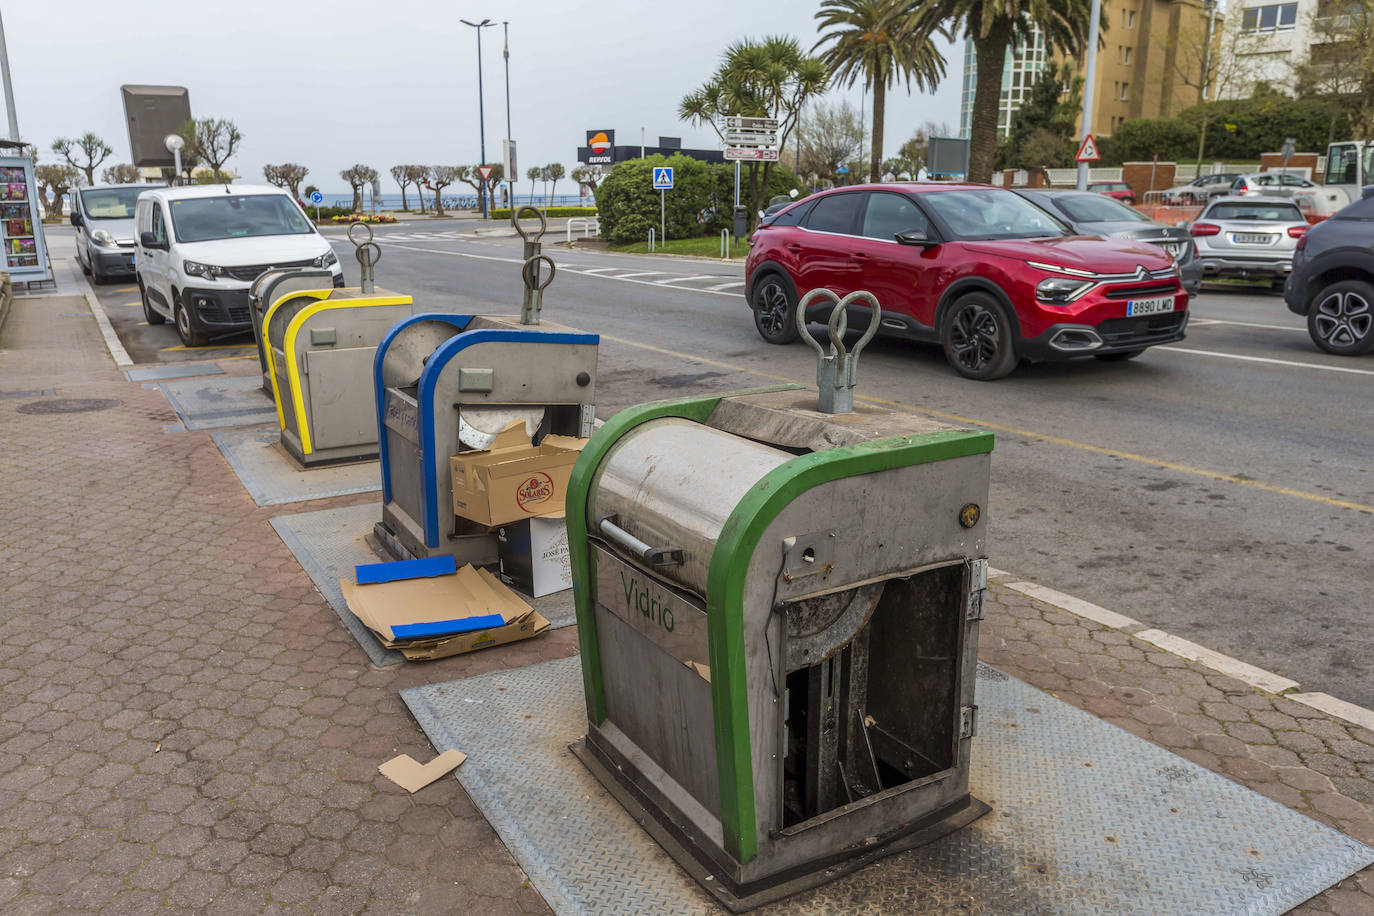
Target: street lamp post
1089	86
481	110
510	138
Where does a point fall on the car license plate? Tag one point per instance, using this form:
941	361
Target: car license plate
1252	238
1150	306
1174	248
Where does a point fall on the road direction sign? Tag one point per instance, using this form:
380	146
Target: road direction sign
762	154
316	197
741	123
485	172
1087	152
751	138
663	178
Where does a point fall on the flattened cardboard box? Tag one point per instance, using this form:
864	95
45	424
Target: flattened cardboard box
469	593
513	479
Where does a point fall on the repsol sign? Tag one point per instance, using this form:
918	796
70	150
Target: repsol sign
600	147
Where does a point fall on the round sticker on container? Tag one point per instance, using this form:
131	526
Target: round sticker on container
535	489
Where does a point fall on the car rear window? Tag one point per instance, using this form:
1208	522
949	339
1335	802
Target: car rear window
792	215
1283	213
1094	208
836	213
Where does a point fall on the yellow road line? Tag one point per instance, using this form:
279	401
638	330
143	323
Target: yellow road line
1028	434
180	347
125	289
131	305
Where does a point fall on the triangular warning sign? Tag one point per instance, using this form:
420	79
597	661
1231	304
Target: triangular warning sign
484	171
1088	151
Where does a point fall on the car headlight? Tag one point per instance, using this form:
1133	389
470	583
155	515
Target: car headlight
197	269
102	237
325	260
1061	290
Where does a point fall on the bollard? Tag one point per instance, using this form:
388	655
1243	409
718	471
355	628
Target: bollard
725	244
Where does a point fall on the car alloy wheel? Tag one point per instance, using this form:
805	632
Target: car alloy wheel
1341	319
977	338
774	311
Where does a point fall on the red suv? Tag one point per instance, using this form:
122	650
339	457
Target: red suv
981	270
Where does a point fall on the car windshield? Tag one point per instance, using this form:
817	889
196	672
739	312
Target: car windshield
1283	213
992	213
112	203
1094	208
204	219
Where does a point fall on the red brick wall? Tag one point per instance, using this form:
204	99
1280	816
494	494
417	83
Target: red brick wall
1272	162
1137	175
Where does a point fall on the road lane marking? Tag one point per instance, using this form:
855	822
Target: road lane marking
1075	605
1231	667
1195	322
685	279
642	273
725	285
1265	359
1027	434
596	270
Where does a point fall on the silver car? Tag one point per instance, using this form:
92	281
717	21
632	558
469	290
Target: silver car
1248	237
104	219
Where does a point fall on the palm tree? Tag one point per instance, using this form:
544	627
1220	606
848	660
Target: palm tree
993	26
882	42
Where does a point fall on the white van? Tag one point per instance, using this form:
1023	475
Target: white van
200	248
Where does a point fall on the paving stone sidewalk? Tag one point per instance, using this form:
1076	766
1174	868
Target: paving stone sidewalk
186	727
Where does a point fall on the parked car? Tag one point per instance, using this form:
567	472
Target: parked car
1248	237
984	272
1332	282
1116	189
1200	189
1092	214
200	248
104	219
1270	184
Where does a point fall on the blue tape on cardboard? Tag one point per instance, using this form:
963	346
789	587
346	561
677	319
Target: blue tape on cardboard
447	627
424	568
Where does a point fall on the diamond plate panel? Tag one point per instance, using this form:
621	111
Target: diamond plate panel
157	373
1087	818
214	403
271	477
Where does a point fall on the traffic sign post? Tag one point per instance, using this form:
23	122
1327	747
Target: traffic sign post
315	198
1087	150
760	154
484	172
663	183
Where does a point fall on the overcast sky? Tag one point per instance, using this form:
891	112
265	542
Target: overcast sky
328	84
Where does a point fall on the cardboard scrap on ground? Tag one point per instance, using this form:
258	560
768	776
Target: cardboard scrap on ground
413	776
429	618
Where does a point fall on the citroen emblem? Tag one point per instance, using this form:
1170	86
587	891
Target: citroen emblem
1141	273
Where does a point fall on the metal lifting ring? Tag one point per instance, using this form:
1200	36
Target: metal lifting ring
818	293
875	316
366	228
543	223
529	272
369	253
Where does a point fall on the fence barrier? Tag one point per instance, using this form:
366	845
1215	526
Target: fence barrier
590	225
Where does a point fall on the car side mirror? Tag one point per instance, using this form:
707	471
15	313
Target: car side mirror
148	240
915	237
76	218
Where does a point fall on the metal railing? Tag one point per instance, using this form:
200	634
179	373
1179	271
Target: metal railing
651	239
590	225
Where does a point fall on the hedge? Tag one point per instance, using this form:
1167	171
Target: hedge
504	212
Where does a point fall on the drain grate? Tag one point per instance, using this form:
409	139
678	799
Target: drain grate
29	393
70	405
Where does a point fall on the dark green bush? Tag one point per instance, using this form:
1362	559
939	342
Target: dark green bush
504	212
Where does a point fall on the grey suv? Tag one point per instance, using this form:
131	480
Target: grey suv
104	219
1332	282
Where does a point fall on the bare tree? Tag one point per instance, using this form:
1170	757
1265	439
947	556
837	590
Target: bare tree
213	141
357	177
1340	65
440	177
54	181
415	174
829	135
273	175
398	174
288	175
1218	68
555	172
122	173
91	148
914	154
498	175
588	176
534	173
469	175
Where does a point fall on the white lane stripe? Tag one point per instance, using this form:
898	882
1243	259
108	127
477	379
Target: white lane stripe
1232	667
1332	706
685	279
642	273
1265	359
1075	605
726	285
1194	322
592	270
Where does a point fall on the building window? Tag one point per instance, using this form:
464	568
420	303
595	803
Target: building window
1124	91
1130	19
1276	17
1127	56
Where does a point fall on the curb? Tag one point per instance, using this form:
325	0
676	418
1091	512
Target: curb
107	331
1266	681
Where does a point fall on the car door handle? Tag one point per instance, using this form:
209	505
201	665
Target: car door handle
793	246
858	256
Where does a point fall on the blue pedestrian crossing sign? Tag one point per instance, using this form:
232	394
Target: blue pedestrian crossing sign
663	178
316	197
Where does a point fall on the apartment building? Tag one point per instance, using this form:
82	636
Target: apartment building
1149	64
1265	43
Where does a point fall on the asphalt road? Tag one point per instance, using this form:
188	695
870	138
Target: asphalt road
1219	489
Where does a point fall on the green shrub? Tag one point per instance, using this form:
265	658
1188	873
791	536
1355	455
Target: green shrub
504	212
1139	139
327	213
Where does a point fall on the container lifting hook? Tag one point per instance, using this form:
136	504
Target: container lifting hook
838	370
534	288
533	247
368	254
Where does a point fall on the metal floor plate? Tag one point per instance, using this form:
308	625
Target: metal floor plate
214	403
272	477
328	543
1087	819
157	373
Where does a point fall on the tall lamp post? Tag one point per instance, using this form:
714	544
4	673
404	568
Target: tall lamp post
510	137
481	111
